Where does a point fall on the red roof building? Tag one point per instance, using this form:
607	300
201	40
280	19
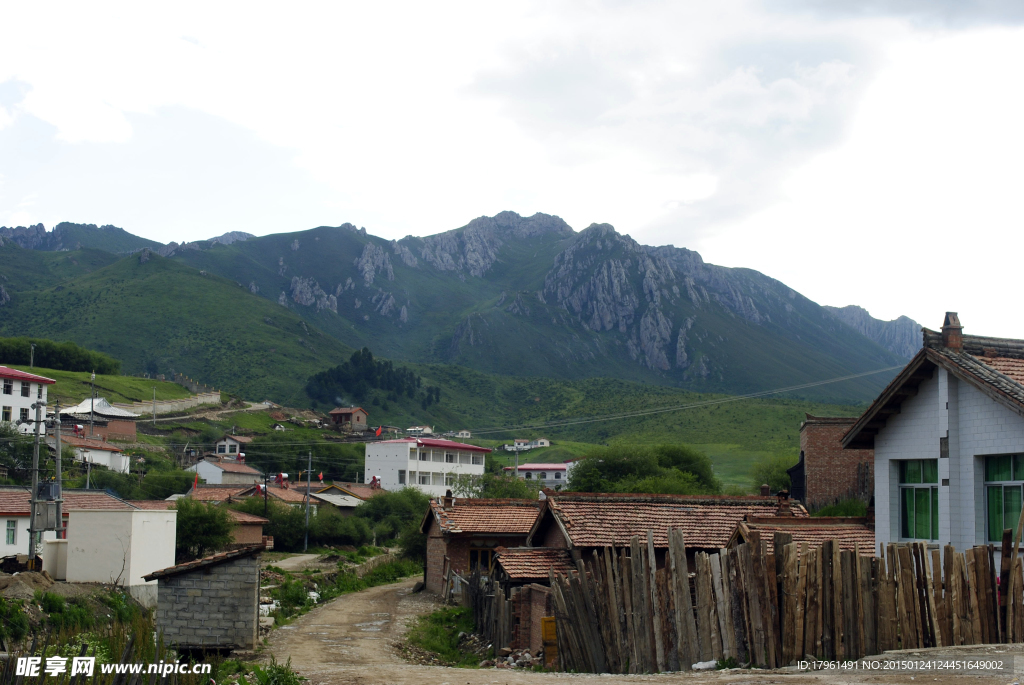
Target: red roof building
851	533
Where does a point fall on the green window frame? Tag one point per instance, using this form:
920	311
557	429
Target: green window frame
919	499
1004	487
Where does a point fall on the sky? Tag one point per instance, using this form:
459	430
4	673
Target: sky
861	152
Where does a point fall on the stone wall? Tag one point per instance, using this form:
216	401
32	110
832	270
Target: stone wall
212	606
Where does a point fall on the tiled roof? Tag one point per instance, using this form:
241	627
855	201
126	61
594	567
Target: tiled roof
993	365
539	467
347	410
436	442
234	467
204	562
161	504
216	493
7	372
708	521
850	532
87	444
525	564
360	490
14	501
243	439
480	515
338	499
294	494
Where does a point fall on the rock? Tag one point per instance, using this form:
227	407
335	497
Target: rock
5	298
504	651
705	665
266	621
486	663
374	260
418	587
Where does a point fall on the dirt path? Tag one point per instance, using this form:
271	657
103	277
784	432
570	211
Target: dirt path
348	642
297	562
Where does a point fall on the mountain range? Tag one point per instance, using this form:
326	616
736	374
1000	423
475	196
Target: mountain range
505	295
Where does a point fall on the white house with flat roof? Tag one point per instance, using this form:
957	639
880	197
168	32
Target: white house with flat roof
429	464
18	390
553	476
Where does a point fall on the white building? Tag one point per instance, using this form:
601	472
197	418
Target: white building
553	476
17	393
948	435
540	442
232	444
428	464
464	434
420	430
230	471
95	451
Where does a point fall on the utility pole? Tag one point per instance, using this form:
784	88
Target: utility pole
92	400
38	406
309	473
266	478
154	406
60	484
32	355
88	473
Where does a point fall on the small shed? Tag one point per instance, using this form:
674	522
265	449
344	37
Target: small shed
211	602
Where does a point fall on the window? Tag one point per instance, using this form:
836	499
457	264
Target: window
26	389
449	458
1004	476
449	479
542	475
528	476
424	478
464	458
436	455
8	386
39	391
12	532
478	460
6	415
232	449
919	499
438	478
558	475
482	559
401	476
221	449
23	413
424	456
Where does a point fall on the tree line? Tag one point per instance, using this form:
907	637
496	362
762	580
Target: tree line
60	356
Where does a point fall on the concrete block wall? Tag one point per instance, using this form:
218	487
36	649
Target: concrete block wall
211	606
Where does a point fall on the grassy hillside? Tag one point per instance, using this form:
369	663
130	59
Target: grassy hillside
108	238
72	387
160	316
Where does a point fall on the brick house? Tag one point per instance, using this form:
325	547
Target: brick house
826	473
584	521
103	420
852	533
948	436
468	531
210	602
352	418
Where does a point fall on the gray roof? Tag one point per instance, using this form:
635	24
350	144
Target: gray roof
100	408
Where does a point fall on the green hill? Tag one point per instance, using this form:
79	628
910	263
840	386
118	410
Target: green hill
74	386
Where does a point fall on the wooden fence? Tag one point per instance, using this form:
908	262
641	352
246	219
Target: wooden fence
619	613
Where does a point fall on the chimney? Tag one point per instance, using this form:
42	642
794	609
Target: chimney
765	490
784	508
448	500
952	333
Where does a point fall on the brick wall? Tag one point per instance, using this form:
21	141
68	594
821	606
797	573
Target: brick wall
530	603
833	474
213	606
456	548
435	559
246	534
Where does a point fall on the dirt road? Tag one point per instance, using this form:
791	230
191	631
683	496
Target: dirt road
347	642
295	563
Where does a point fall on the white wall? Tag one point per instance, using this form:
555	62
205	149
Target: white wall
208	472
385	460
16	402
104	545
20	545
977	426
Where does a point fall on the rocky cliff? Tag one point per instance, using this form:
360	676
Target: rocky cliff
900	336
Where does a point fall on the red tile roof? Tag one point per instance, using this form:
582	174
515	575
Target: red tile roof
360	490
88	444
235	467
347	410
708	521
293	494
14	501
1008	366
216	493
6	372
814	530
525	564
204	562
436	442
472	515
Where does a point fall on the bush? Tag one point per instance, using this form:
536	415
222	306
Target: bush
13	622
772	470
496	485
274	674
202	528
849	507
63	615
671	469
439	633
395	517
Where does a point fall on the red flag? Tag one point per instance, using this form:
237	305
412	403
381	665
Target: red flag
195	486
379	429
321	476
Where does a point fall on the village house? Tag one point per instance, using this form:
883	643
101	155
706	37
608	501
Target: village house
464	434
851	533
14	513
948	439
419	430
229	471
19	391
210	603
247	529
582	521
105	420
214	494
553	476
345	497
468	531
232	445
349	418
294	495
94	451
826	473
429	464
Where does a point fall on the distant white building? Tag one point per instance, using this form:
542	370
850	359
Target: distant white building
229	471
19	390
553	476
95	451
428	464
540	442
463	434
232	444
420	430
